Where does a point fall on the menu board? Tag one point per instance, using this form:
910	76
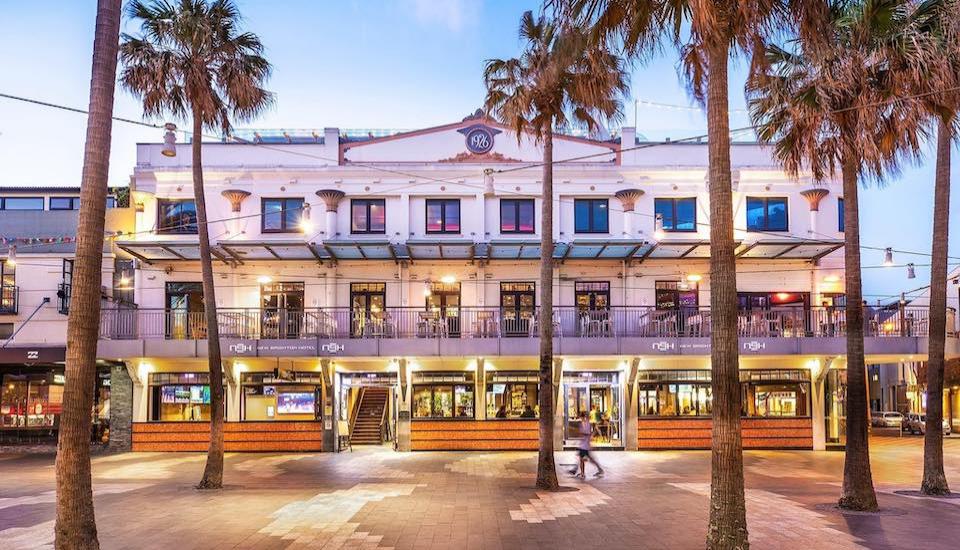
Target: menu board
185	394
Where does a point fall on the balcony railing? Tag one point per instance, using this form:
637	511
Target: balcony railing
496	322
8	299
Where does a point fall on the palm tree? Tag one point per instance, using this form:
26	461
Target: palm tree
944	24
192	58
828	103
707	33
560	80
76	526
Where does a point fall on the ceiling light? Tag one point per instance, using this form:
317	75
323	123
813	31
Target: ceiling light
264	279
694	277
448	279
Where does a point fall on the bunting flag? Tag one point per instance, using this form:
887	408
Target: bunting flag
36	240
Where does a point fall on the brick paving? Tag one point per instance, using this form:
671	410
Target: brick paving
375	498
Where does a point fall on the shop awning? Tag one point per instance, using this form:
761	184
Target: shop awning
242	251
789	249
168	251
361	250
602	249
459	249
674	250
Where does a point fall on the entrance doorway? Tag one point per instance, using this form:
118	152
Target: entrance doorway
367	306
184	317
282	305
367	407
443	304
517	304
598	394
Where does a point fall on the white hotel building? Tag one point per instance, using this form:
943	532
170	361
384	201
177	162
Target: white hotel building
383	287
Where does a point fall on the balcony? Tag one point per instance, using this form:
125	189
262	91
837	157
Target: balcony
8	299
499	331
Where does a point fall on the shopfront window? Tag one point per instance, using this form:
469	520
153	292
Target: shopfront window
675	393
596	394
179	397
775	392
443	396
512	395
32	400
673	295
267	397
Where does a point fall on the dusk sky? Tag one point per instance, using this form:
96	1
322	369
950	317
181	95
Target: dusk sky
374	64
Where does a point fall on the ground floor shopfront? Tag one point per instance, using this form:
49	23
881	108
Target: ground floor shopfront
310	404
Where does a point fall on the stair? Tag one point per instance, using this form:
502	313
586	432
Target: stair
366	428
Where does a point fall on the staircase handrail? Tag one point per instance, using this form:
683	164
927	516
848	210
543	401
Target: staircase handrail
383	417
355	411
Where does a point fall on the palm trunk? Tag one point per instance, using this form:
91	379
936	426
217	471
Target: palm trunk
728	516
934	480
546	466
213	471
76	526
857	492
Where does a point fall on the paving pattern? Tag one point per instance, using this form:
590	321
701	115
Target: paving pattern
375	498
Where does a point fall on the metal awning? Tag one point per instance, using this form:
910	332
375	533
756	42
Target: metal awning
602	249
362	250
167	251
459	249
520	250
789	249
243	251
674	250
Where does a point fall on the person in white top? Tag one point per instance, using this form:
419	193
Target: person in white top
584	449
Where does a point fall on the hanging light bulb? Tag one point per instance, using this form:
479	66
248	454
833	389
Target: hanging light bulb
426	288
911	272
169	140
888	257
488	190
658	232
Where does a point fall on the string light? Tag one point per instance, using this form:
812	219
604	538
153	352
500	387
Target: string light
911	272
169	140
888	257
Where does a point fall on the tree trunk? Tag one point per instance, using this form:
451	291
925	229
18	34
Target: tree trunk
213	471
857	492
76	526
728	516
546	465
934	479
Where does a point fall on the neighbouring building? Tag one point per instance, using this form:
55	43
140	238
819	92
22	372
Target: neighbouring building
385	286
38	227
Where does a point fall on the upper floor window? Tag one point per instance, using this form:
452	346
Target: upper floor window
111	202
516	215
443	215
8	287
840	214
280	215
590	216
64	203
368	216
767	214
176	216
21	203
677	214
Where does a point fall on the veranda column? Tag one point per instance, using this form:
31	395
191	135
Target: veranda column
480	390
329	416
628	198
630	441
331	199
818	411
403	407
558	405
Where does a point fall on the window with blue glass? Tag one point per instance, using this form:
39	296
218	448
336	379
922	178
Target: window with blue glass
281	215
840	214
517	216
678	215
443	215
767	214
177	216
591	216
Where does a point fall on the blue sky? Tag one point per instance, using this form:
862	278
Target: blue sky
371	64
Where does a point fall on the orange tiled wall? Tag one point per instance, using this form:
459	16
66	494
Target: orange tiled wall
694	433
466	435
238	436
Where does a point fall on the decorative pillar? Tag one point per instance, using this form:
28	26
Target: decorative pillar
121	409
331	198
558	427
628	198
480	389
630	440
818	402
814	196
236	198
403	407
329	415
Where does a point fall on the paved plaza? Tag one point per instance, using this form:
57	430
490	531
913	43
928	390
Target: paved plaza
376	498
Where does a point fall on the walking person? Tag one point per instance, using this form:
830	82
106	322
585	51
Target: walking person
584	449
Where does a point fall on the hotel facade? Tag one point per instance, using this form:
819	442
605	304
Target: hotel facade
384	287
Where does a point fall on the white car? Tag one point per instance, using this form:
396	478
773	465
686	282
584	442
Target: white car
917	424
888	419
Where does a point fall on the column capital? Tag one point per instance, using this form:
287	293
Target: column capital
814	196
331	198
629	198
236	197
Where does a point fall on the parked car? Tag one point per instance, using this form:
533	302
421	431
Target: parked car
917	424
887	419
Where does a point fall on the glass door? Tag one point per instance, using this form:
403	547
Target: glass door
517	304
367	306
282	309
184	317
444	301
598	395
593	308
